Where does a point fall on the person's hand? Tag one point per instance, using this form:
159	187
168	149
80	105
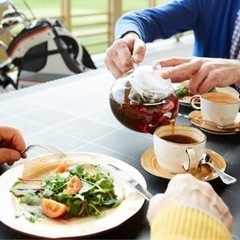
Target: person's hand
184	189
11	145
122	53
204	73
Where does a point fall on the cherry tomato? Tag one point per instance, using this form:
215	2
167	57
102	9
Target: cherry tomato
73	186
53	209
62	167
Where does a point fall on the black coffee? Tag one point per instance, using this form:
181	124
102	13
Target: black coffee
178	138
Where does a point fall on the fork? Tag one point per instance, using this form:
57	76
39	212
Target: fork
49	147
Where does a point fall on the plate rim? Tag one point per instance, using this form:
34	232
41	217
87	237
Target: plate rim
23	226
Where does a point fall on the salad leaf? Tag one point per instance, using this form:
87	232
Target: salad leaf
20	189
182	91
31	213
97	192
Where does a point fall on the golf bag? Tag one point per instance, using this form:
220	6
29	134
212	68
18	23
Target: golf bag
42	51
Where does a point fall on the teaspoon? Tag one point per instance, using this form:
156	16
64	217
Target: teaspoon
227	179
233	126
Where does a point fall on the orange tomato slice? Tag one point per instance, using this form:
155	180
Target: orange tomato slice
62	167
53	209
73	186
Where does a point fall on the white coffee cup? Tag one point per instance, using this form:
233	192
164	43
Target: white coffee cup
178	157
218	107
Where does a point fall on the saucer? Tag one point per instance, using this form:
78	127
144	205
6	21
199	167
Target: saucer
208	127
205	173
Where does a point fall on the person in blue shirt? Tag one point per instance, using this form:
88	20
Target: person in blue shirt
212	22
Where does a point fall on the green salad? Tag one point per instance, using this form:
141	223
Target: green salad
182	91
68	191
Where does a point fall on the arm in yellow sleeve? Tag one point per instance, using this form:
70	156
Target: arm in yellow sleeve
180	222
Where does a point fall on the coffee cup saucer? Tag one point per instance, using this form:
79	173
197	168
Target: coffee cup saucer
195	118
204	172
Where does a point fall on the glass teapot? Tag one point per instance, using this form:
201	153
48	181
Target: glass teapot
142	101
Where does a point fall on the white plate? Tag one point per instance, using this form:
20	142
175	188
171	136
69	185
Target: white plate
77	227
185	101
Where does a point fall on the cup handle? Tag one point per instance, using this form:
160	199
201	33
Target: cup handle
195	102
192	160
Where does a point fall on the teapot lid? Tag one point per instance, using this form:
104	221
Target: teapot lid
148	85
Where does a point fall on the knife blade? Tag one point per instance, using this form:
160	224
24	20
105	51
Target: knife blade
132	182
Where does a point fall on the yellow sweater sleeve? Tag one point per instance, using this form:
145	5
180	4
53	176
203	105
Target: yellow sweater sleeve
184	222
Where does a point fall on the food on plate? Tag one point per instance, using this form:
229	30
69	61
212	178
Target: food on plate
182	91
53	209
68	191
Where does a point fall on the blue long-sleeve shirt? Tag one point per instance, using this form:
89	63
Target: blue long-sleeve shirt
212	22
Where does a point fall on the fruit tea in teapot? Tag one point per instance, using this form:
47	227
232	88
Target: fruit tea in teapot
143	101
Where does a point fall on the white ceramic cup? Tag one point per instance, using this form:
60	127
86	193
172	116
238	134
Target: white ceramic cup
220	108
177	157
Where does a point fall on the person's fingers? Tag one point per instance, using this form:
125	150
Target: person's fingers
154	206
114	64
118	57
9	156
12	138
183	178
205	79
19	143
214	73
216	206
184	189
201	84
123	53
198	193
198	82
181	72
139	49
172	61
112	67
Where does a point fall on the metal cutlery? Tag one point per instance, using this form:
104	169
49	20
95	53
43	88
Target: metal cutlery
49	147
132	182
227	179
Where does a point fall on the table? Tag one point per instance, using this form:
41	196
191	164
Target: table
74	114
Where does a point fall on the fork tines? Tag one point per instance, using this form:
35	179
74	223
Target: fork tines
49	147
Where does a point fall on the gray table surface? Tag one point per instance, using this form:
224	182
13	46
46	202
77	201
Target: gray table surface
73	113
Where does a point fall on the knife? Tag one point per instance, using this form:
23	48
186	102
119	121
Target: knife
132	182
